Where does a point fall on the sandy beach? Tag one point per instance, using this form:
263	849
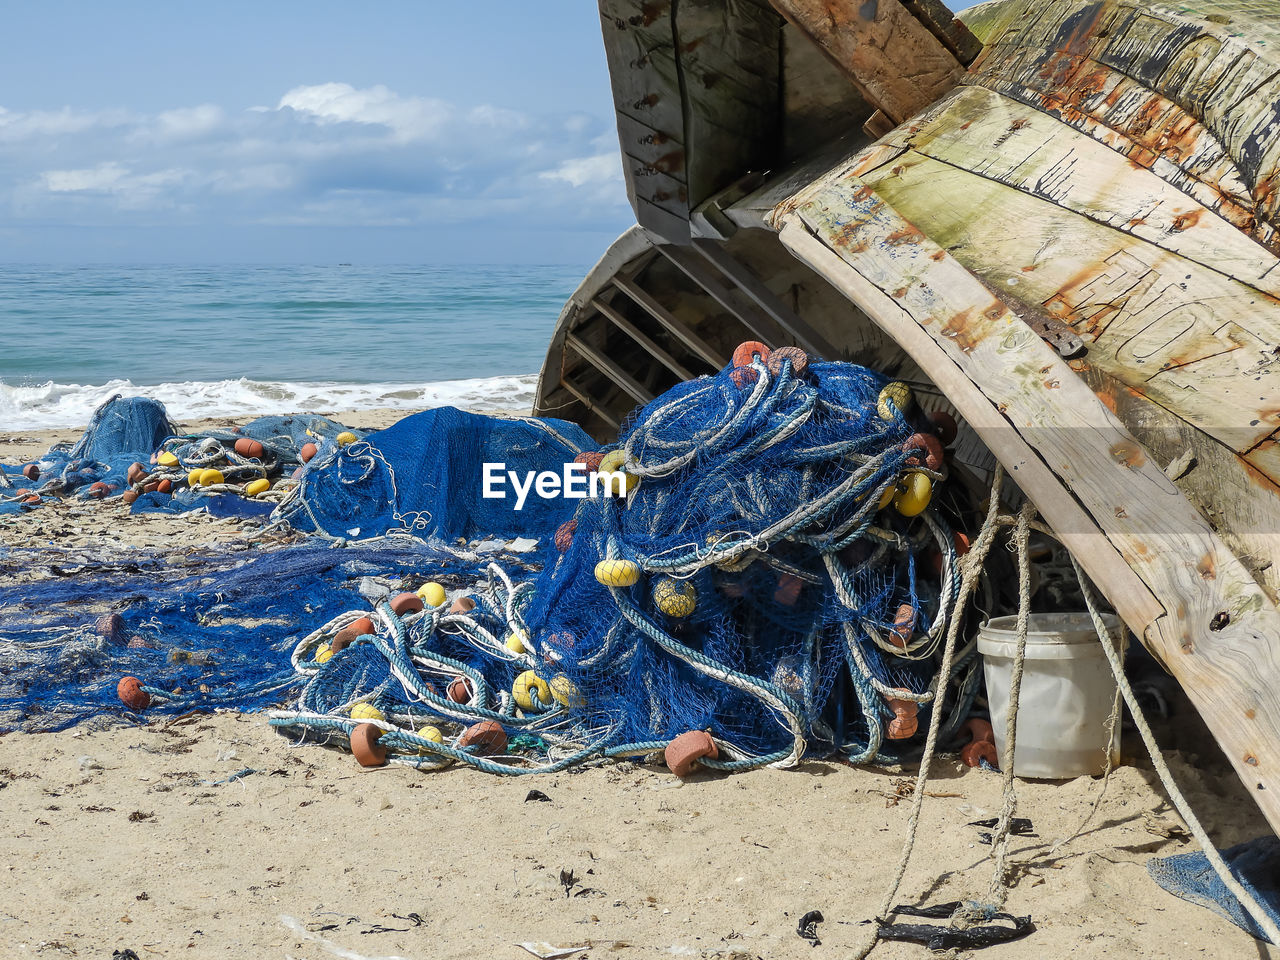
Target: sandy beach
210	835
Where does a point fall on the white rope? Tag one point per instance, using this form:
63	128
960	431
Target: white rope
997	891
1259	915
971	567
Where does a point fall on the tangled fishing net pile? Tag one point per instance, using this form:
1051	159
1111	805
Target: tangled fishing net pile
131	450
774	583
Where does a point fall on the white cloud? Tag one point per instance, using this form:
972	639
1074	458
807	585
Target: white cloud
104	177
16	125
410	118
328	154
497	117
266	177
190	121
582	171
129	190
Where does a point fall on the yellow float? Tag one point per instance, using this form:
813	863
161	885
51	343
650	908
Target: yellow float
193	477
529	686
345	437
617	573
366	711
255	487
897	393
429	733
675	598
564	691
166	459
738	563
886	498
914	493
432	594
515	641
209	477
324	653
614	462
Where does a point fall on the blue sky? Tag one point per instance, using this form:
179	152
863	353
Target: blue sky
307	132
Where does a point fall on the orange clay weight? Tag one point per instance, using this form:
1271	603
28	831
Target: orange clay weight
249	448
364	744
487	737
799	361
982	746
944	426
744	352
905	721
590	459
904	625
683	753
460	690
564	535
110	626
406	603
788	590
974	753
924	448
131	694
979	729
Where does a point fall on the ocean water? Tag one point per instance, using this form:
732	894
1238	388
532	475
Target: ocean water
247	340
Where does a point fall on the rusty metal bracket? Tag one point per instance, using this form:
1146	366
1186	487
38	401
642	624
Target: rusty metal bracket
1058	335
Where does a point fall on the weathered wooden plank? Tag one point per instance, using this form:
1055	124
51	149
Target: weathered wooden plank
1100	559
697	94
656	149
657	188
1189	338
729	57
606	365
1241	504
1217	634
1004	140
760	326
737	273
632	250
639	336
877	125
817	98
871	41
637	44
754	210
1194	98
673	325
592	405
943	24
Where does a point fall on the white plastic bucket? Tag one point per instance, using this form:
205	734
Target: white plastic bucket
1066	698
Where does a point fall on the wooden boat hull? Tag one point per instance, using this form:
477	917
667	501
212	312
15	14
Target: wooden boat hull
1103	169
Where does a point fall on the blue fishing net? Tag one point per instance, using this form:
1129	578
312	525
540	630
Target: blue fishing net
751	584
424	475
1255	863
131	449
120	431
771	568
208	628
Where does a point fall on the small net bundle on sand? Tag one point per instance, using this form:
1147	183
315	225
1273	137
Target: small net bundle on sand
131	451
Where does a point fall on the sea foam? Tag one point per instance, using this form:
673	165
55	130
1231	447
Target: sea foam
51	405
